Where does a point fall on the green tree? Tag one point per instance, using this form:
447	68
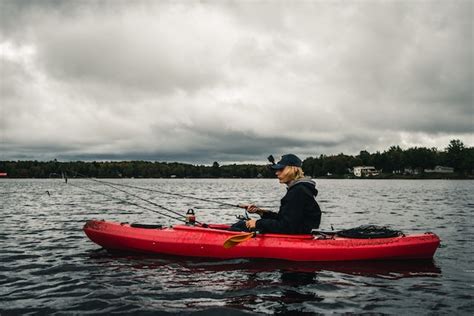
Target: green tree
394	159
454	154
215	171
420	158
365	158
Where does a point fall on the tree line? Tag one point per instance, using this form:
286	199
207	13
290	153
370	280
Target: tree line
396	161
392	161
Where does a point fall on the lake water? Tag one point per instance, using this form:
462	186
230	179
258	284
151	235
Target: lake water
48	265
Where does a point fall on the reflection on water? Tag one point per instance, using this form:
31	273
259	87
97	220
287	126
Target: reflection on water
278	283
48	266
387	269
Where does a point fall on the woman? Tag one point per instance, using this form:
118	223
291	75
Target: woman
299	212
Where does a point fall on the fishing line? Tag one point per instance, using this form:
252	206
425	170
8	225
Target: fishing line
113	185
131	203
162	192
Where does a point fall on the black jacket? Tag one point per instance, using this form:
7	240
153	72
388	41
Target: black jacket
299	211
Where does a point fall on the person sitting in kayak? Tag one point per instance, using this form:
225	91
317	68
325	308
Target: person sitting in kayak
299	212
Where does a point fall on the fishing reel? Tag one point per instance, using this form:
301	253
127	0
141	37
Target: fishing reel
242	217
190	217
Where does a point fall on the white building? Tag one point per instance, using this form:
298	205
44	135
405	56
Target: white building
365	171
440	169
412	171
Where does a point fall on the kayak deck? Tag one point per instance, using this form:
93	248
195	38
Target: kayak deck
196	241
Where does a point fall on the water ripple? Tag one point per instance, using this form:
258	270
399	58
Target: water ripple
48	266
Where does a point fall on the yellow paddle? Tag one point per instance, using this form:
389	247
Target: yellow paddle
237	239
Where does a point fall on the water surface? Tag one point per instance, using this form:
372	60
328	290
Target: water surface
48	266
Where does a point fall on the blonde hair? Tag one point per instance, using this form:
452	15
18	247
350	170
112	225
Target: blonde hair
295	173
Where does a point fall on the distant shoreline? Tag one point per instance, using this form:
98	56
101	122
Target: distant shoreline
343	177
456	162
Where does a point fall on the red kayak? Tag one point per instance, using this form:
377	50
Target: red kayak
197	241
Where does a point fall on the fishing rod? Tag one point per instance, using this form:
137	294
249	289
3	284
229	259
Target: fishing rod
113	185
131	203
180	218
165	192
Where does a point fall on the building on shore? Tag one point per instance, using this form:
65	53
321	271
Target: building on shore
365	171
440	169
412	171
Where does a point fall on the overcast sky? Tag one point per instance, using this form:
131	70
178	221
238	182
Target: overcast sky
232	81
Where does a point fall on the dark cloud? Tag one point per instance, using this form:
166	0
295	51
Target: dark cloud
232	81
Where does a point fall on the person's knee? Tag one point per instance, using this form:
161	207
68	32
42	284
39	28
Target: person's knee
239	227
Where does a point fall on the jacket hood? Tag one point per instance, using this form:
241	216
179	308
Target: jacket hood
307	182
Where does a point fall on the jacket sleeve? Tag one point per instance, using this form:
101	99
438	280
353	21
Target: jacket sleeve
290	216
270	215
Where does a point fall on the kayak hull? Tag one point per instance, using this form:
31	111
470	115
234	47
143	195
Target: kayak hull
194	241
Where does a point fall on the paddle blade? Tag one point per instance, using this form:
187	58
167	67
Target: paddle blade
237	239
